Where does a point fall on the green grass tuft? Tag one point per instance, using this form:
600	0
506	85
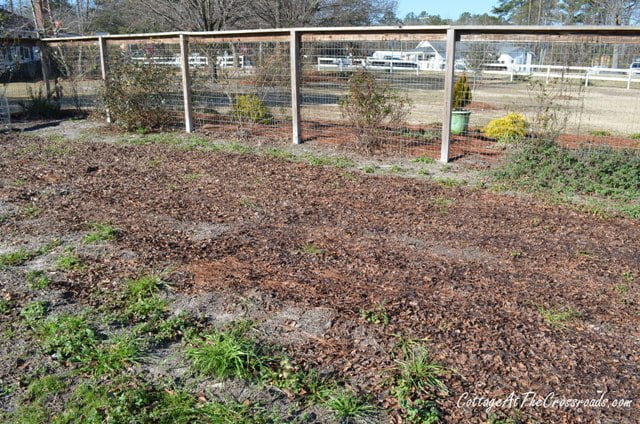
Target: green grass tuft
348	406
34	312
143	286
37	280
558	317
100	232
423	159
225	354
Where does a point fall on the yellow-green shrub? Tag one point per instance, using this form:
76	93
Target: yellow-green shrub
507	128
249	107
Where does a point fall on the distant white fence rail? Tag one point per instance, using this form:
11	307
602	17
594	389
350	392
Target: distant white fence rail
546	72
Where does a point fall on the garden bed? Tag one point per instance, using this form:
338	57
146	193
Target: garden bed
338	267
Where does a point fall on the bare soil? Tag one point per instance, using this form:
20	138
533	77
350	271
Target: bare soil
466	269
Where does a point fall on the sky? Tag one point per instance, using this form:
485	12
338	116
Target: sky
445	8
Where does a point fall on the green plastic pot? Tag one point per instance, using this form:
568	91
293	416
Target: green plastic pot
460	121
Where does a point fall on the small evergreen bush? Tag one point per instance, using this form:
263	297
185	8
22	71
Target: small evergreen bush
461	93
506	129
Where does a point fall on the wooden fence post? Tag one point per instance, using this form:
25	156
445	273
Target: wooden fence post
450	65
186	83
295	86
102	44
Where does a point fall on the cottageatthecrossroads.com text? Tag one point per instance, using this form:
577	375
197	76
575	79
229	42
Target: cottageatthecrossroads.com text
534	400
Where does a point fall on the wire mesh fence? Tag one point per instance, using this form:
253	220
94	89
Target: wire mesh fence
383	90
371	94
75	72
20	71
241	87
149	72
576	90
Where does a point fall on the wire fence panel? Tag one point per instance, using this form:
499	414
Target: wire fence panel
382	90
20	71
75	74
578	92
141	60
241	87
378	96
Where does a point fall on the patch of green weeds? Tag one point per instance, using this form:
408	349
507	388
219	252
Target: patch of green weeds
558	317
449	182
23	255
195	176
113	356
424	172
5	306
37	280
397	169
19	182
289	377
31	211
4	218
417	383
232	411
34	312
313	250
100	232
348	407
46	386
443	203
279	154
629	277
16	258
551	169
377	315
68	338
32	413
143	286
69	261
600	133
370	169
245	202
225	354
424	160
172	328
149	309
336	162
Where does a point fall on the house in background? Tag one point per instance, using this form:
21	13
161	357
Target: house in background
431	55
19	54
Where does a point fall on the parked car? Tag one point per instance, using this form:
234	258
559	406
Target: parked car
635	67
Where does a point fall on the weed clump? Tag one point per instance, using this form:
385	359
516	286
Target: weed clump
545	166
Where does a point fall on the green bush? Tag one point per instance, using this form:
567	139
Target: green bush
371	106
40	105
547	166
136	94
461	93
511	127
250	108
